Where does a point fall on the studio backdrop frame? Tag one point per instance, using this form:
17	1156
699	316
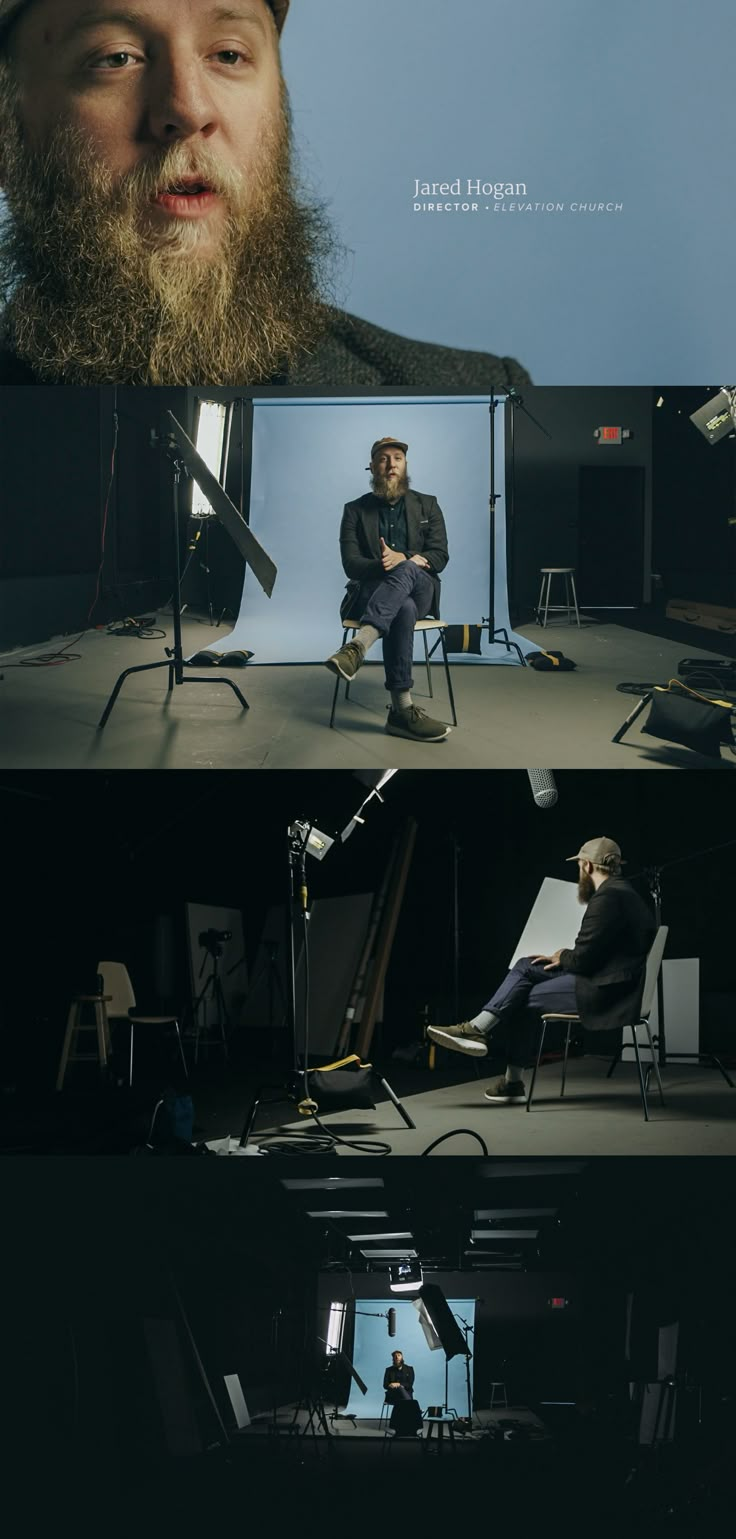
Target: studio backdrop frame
309	458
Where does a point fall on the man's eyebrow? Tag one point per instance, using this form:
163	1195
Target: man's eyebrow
129	16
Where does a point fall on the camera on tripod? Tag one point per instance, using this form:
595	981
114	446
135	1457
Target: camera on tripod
213	940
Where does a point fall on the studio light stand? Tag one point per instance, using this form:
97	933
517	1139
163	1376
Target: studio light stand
467	1329
212	991
517	404
183	458
305	838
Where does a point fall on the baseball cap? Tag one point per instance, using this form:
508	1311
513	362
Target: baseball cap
600	852
387	443
10	9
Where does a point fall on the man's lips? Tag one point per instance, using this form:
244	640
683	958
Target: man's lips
188	198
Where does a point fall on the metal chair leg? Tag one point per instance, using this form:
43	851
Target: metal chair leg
130	1071
539	603
642	1086
654	1065
564	1061
536	1066
547	598
575	598
448	678
426	664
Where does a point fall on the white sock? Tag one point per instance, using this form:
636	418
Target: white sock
484	1020
366	636
401	699
514	1071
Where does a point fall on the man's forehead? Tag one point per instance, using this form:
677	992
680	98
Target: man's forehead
61	20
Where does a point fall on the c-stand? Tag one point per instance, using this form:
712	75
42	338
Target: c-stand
174	661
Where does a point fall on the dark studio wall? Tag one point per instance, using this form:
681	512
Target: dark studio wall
694	498
551	524
56	455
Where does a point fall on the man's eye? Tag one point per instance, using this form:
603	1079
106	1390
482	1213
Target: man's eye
231	56
114	60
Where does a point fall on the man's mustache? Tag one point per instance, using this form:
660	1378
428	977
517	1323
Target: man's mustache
175	170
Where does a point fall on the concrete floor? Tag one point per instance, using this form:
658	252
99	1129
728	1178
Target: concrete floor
597	1116
510	717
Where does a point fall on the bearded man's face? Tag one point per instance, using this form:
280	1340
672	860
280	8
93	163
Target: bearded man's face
586	885
154	237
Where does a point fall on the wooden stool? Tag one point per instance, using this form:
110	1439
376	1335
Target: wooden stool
70	1051
498	1385
570	607
421	626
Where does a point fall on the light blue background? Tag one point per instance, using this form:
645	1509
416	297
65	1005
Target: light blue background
372	1350
308	461
581	99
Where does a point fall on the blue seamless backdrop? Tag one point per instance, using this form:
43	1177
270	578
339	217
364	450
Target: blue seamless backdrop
581	100
372	1356
309	459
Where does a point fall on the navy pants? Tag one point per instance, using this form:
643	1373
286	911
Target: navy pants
392	605
527	992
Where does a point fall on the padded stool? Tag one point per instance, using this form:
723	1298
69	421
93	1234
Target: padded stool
570	606
498	1387
75	1025
423	626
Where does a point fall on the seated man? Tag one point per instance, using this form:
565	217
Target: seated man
398	1382
600	979
393	545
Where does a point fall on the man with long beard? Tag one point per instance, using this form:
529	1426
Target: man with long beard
155	233
393	545
601	978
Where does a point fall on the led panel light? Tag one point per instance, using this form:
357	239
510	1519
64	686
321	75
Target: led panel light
328	1183
395	1254
504	1234
481	1213
343	1213
395	1234
527	1168
335	1328
211	442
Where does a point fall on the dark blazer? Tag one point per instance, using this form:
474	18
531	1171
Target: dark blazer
403	1375
360	541
354	352
609	956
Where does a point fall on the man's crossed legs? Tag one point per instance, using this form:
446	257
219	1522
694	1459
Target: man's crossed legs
528	991
389	608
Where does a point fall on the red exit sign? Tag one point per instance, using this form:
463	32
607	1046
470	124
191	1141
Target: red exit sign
612	435
557	1303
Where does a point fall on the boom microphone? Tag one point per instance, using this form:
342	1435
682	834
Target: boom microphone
392	1322
544	788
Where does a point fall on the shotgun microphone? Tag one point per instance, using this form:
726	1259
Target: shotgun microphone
544	788
392	1322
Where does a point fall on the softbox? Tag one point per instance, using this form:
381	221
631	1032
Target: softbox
443	1322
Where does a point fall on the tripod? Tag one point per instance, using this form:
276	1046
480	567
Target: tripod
174	660
211	994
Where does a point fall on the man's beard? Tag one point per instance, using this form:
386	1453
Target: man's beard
96	295
389	490
586	888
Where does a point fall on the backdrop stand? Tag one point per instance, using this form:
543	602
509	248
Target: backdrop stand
498	636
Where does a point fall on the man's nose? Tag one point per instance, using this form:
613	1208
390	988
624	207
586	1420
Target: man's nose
180	101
